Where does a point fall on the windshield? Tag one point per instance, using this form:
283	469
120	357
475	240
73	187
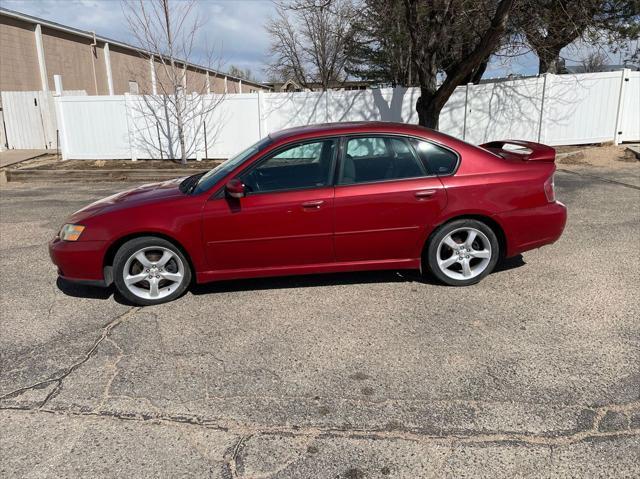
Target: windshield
213	176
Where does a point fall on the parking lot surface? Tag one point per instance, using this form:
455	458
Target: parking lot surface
533	372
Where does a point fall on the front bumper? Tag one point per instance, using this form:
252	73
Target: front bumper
80	261
532	228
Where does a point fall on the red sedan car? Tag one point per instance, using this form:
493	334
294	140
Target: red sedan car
318	199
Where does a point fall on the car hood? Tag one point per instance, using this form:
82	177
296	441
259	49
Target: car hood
125	199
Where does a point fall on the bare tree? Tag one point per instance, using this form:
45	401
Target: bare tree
176	102
594	61
245	74
309	41
451	40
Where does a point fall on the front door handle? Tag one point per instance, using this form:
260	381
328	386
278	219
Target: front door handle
315	204
422	194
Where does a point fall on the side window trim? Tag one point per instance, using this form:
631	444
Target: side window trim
287	146
340	152
414	153
425	168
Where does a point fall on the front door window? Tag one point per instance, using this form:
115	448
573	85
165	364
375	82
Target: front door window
306	165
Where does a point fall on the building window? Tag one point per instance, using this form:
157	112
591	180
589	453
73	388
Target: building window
133	87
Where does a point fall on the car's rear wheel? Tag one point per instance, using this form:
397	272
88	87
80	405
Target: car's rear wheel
463	252
150	271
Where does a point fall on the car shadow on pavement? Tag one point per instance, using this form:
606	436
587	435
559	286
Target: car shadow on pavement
309	281
83	291
77	290
282	282
333	279
510	263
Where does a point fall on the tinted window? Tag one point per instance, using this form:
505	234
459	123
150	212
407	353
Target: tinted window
305	165
379	159
213	176
436	160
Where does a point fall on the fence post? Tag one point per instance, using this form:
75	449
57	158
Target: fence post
541	120
623	81
42	65
261	121
466	106
61	133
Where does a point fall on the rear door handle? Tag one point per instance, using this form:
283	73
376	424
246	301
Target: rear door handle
422	194
315	204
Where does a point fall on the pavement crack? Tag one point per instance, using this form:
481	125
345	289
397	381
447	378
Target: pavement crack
233	465
59	379
246	430
114	367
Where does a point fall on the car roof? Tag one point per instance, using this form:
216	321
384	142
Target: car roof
343	128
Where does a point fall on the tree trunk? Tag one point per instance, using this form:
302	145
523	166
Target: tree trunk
427	109
477	76
432	100
180	110
183	148
181	139
548	60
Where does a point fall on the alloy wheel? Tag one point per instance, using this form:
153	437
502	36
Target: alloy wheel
464	253
153	272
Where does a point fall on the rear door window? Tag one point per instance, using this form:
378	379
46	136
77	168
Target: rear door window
435	159
378	158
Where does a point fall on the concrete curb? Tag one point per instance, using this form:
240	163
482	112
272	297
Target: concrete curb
37	175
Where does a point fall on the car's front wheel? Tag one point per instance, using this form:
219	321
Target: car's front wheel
462	252
150	270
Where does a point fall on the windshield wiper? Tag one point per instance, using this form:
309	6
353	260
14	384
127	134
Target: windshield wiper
190	182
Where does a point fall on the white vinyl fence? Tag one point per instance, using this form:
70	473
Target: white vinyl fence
551	109
30	119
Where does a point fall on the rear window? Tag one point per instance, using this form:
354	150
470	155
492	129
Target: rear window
436	159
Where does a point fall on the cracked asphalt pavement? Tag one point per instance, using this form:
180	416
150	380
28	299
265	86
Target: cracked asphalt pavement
533	372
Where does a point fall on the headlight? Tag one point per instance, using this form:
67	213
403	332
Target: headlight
71	232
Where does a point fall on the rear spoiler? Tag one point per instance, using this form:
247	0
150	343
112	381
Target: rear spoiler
537	151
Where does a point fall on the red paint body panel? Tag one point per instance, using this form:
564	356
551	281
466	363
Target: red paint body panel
386	220
532	228
81	260
378	225
269	230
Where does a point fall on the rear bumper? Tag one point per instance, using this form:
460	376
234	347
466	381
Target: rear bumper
533	227
79	261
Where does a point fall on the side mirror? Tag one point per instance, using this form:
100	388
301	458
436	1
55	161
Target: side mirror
235	189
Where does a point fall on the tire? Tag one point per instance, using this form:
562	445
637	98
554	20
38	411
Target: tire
150	270
455	260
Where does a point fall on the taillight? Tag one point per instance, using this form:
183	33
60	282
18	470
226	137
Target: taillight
549	189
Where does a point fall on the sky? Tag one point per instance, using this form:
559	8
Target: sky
234	29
